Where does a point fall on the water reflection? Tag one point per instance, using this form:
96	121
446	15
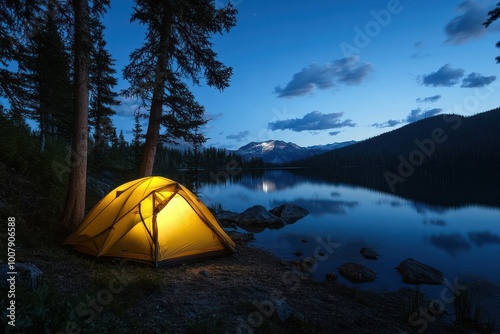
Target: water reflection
481	239
320	207
423	208
436	222
446	221
392	203
271	180
451	243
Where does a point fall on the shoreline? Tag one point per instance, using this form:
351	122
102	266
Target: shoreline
249	291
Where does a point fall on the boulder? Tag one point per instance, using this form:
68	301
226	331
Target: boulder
369	253
290	213
357	273
414	272
258	216
226	215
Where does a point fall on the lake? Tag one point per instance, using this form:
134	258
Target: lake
462	240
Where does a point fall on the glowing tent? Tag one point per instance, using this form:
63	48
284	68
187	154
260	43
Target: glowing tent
152	219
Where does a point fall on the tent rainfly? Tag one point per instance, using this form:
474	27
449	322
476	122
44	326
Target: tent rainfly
152	219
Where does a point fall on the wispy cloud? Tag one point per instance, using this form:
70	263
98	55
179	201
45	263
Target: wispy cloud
418	114
312	121
239	137
429	99
347	71
469	24
446	76
334	133
475	80
414	115
419	53
389	124
127	106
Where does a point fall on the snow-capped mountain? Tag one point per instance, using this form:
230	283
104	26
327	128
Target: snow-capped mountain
278	151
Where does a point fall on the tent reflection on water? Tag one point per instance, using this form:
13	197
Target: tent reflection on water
152	219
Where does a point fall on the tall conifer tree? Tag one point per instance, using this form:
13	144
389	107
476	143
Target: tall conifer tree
178	47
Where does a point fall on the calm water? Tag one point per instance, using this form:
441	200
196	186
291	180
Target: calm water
463	242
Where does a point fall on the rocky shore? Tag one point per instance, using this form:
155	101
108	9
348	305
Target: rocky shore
251	291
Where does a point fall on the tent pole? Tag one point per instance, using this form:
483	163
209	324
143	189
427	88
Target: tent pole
155	231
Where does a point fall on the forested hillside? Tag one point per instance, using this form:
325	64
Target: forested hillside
448	141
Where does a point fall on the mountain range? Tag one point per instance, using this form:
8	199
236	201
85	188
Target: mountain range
278	151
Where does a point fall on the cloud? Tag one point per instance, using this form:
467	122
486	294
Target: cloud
333	133
242	135
476	80
413	116
312	121
212	117
127	106
348	71
419	53
418	114
445	76
429	99
468	25
389	124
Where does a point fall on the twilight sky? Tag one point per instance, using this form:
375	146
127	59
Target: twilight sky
322	71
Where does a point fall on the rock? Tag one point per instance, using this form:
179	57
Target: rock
28	275
357	273
226	215
239	237
305	265
283	310
414	272
369	253
331	276
290	213
258	216
204	273
101	183
226	218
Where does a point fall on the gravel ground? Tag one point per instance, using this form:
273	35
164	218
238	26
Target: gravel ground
251	291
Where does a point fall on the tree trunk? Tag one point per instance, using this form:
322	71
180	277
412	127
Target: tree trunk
153	131
43	132
75	202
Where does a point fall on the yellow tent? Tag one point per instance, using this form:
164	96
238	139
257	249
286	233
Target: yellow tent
152	219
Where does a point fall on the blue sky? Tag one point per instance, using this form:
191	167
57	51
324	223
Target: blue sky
324	71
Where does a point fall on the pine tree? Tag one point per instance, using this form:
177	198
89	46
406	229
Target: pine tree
45	70
19	21
102	81
493	15
178	47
